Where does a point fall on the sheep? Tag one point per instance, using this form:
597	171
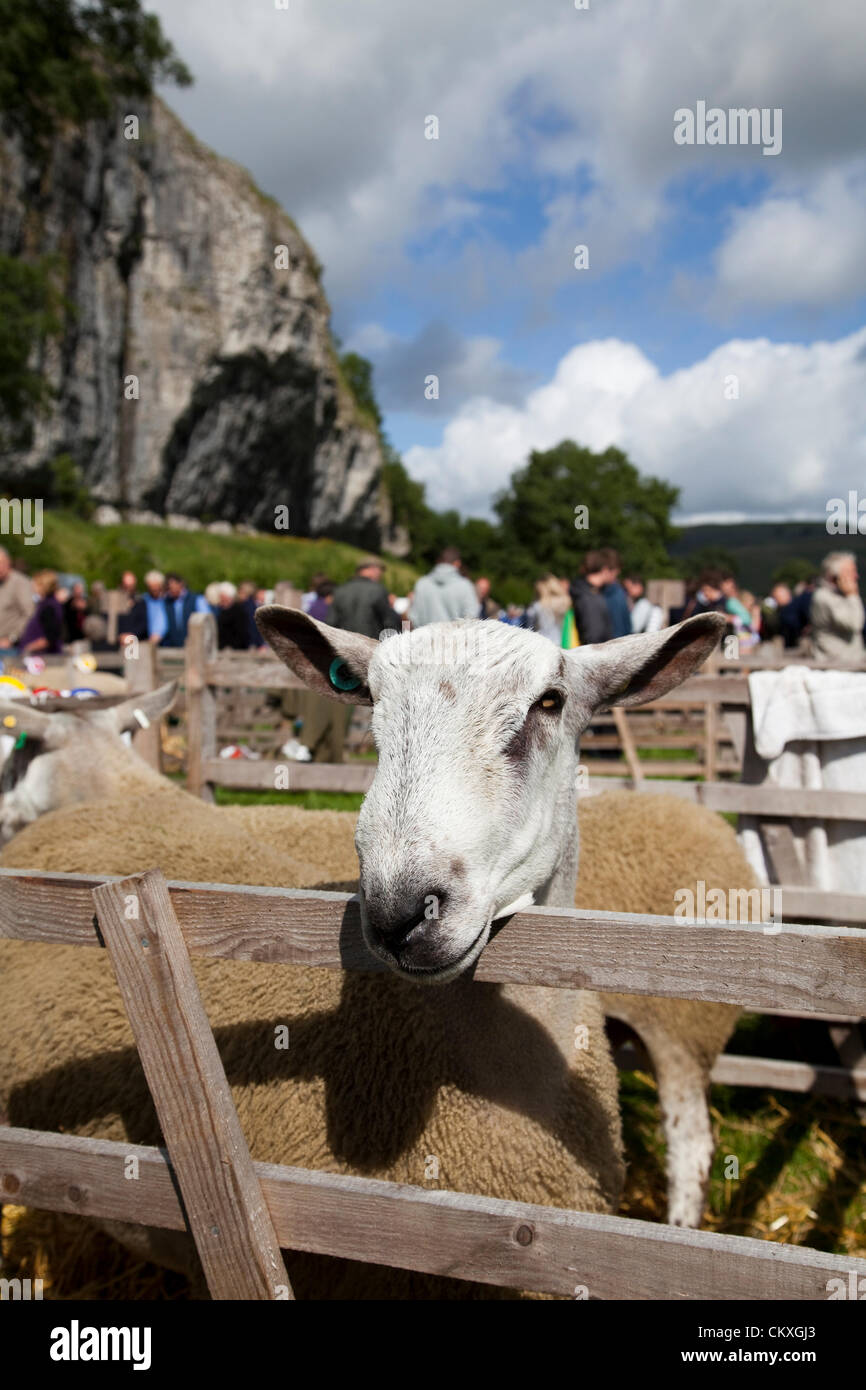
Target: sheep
590	1174
636	853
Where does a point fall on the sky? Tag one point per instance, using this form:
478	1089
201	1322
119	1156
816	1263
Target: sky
714	327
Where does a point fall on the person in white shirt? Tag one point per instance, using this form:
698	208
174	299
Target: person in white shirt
645	616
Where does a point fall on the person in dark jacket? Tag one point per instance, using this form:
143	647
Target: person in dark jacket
180	605
44	631
708	597
323	602
247	599
75	610
361	604
591	613
615	595
231	620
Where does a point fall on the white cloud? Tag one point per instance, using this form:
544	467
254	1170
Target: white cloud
326	102
466	367
794	436
799	249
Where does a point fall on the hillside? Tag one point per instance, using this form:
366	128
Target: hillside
760	547
102	552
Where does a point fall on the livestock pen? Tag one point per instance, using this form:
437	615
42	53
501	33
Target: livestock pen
725	692
241	1213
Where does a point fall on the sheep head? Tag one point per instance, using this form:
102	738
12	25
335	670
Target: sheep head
68	751
477	726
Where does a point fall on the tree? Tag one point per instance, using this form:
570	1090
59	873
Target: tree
63	61
30	311
542	528
708	557
795	571
358	376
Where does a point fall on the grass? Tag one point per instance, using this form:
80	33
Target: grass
800	1165
102	552
311	801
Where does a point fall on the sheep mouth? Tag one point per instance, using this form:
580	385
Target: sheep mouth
442	974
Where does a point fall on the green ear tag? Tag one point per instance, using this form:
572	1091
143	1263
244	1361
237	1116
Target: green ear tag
341	677
21	740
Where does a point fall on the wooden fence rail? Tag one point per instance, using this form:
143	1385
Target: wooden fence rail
807	969
240	1213
455	1234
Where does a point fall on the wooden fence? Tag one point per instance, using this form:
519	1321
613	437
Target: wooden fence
710	693
242	1213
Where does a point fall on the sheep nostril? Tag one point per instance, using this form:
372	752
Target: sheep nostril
398	929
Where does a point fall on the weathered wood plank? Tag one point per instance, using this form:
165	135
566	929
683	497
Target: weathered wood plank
780	849
141	677
649	738
744	799
201	643
513	1244
772	1073
732	690
628	748
711	731
257	774
254	672
764	1073
803	968
227	1214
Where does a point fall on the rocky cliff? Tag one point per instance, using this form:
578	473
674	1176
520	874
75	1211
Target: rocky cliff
195	375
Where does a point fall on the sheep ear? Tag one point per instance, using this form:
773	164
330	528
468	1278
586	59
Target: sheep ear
327	659
150	705
31	721
632	670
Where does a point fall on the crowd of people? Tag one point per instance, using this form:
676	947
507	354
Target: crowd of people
42	614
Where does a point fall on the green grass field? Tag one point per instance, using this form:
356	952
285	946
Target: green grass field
75	546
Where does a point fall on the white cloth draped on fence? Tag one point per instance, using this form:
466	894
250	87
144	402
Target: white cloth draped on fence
809	731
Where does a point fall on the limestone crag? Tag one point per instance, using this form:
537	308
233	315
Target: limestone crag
168	255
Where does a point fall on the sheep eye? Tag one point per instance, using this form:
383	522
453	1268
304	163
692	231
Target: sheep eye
341	677
551	701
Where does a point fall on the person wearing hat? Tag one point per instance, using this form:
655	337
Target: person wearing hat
362	604
359	605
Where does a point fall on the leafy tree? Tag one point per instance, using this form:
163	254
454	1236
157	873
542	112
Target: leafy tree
358	375
67	490
31	308
536	531
708	557
794	571
64	61
541	528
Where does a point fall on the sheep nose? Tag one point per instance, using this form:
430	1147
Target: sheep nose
397	929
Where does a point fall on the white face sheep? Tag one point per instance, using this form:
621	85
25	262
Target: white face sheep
477	726
38	776
472	812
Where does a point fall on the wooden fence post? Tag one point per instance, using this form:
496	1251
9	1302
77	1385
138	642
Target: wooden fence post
201	648
628	748
116	603
141	677
227	1215
711	734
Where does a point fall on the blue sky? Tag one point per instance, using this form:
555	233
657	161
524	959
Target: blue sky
455	256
